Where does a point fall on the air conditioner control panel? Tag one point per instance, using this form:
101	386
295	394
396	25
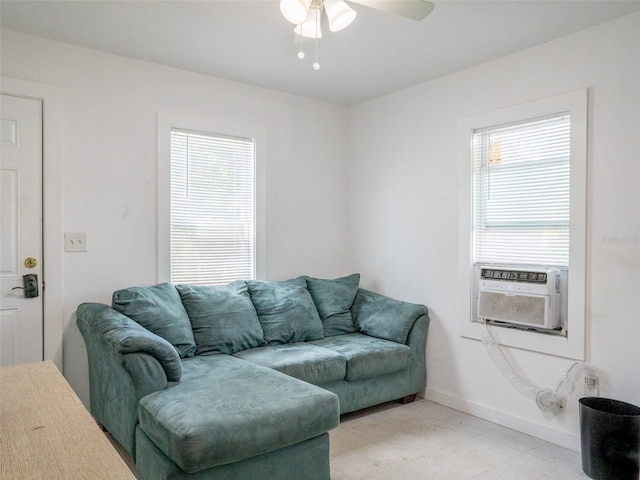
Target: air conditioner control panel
519	280
514	275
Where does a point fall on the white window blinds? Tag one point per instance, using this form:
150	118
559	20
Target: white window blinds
521	192
212	208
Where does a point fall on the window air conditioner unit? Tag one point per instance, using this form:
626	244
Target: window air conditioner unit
520	296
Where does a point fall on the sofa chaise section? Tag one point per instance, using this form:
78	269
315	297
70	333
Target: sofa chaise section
227	410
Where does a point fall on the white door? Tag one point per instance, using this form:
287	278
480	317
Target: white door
21	319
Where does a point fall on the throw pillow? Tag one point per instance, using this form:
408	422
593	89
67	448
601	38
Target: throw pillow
286	311
333	299
222	317
159	310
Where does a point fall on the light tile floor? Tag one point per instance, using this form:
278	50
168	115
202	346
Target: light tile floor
427	441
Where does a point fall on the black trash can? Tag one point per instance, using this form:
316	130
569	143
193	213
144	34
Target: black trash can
610	439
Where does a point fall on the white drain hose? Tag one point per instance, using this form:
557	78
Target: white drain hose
547	400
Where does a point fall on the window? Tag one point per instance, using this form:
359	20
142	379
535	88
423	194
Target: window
523	202
521	192
212	208
211	198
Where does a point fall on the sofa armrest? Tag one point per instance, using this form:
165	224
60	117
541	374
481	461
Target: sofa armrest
126	363
124	336
145	372
385	317
417	340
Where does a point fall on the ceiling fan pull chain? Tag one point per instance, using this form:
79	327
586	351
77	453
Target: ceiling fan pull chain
316	65
300	51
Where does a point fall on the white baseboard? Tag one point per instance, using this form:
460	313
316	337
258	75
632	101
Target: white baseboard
544	432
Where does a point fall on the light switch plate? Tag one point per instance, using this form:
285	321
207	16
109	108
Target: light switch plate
75	242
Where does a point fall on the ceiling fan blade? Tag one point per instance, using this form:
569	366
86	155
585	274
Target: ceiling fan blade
414	9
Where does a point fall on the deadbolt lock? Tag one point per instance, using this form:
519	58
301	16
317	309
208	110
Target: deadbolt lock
30	262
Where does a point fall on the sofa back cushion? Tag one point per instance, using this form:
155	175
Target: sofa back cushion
333	299
286	311
159	310
222	317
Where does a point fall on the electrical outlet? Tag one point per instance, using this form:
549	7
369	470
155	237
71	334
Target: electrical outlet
591	385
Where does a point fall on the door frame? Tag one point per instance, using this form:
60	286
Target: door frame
52	231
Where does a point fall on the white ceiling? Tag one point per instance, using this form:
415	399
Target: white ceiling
249	41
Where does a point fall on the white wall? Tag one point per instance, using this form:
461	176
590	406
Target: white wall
405	159
110	107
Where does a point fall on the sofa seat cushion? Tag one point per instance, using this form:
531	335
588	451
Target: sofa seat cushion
368	356
225	409
307	362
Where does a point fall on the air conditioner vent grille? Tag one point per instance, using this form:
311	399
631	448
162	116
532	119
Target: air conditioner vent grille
524	309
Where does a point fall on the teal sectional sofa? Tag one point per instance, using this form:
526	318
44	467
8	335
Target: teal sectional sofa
245	380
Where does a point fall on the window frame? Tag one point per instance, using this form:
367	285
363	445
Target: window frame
216	125
573	344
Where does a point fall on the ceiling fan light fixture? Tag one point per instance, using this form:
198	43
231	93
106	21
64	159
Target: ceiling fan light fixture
295	11
306	15
339	13
311	27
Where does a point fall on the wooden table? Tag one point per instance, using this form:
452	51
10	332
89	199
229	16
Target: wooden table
45	431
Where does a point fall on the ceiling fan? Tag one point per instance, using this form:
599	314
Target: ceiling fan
306	15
